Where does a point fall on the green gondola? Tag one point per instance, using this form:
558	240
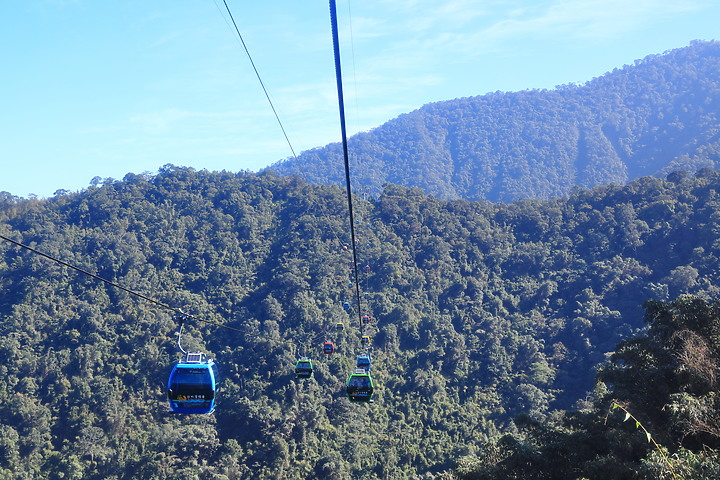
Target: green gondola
304	368
360	387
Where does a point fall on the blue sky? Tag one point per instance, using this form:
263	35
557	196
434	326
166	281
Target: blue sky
98	89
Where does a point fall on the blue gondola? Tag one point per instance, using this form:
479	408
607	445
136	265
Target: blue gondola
363	361
304	368
359	387
193	384
346	306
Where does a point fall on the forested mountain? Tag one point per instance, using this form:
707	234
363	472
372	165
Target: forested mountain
480	312
650	118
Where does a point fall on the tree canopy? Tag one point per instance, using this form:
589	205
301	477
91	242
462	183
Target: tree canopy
482	314
664	380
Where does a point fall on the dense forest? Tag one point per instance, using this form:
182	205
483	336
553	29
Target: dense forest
650	118
490	323
667	376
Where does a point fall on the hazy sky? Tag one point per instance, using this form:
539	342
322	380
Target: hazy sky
102	88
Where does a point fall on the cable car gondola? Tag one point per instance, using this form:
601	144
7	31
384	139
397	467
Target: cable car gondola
193	384
366	320
363	361
304	368
359	387
365	339
339	326
328	348
346	306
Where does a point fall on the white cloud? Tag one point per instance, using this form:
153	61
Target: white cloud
582	19
419	28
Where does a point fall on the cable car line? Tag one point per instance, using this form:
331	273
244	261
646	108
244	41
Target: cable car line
302	174
177	311
346	158
257	74
61	262
359	386
354	70
344	134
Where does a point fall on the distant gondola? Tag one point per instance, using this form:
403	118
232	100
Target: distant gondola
192	385
365	340
365	320
328	348
346	306
359	387
363	361
339	326
304	368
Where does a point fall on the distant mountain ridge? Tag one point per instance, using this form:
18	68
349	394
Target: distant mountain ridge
658	115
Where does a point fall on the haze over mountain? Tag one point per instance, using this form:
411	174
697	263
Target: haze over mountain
658	115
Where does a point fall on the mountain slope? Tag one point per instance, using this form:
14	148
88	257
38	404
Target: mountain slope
480	312
658	115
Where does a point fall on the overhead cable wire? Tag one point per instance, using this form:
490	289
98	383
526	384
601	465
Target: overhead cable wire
301	173
257	74
354	70
178	311
346	158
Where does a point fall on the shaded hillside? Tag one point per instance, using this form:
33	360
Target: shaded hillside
658	115
657	417
480	312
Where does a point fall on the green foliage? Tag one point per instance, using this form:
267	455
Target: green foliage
658	449
480	313
665	376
